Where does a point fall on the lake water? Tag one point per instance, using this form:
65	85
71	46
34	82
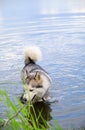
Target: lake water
58	28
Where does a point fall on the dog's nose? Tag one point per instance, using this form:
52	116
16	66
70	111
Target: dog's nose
23	100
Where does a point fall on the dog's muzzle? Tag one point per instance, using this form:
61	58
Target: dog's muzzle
24	99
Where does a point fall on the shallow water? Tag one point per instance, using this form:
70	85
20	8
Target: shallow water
59	30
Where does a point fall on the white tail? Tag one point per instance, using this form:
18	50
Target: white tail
32	54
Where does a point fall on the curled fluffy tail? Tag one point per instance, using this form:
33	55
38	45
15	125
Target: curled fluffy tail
32	54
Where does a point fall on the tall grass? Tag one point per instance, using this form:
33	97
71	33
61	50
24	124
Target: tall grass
23	117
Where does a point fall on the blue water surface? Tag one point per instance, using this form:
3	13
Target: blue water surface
58	28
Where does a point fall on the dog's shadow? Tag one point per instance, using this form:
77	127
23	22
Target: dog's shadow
40	114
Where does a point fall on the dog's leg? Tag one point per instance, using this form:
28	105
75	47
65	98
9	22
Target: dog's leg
51	100
48	99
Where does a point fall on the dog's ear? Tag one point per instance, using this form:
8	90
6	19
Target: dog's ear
37	77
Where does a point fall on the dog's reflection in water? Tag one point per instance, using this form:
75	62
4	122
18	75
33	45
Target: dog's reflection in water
39	114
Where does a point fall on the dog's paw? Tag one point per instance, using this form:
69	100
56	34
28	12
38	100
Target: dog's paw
49	100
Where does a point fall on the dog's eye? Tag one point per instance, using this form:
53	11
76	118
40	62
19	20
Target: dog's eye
31	90
39	86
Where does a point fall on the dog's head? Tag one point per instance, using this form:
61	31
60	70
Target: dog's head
33	86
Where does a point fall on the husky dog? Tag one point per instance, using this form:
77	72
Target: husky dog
36	80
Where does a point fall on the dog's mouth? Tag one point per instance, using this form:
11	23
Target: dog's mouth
25	100
33	99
